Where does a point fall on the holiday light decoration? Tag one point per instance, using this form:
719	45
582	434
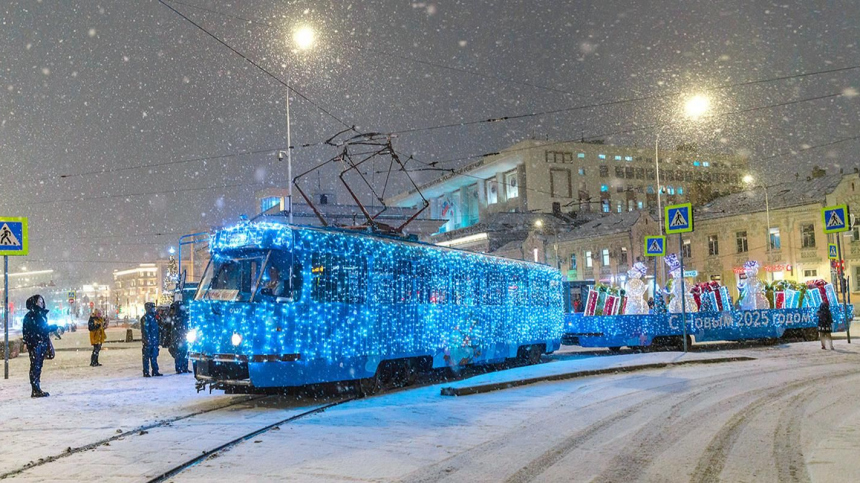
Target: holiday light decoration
354	299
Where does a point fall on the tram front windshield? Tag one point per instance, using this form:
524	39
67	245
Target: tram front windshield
233	279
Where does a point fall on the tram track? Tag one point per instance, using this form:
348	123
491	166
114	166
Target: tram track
125	434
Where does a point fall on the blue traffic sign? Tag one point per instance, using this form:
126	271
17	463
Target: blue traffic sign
655	246
835	218
13	237
679	218
832	252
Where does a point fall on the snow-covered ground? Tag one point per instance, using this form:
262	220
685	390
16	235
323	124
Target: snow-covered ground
789	415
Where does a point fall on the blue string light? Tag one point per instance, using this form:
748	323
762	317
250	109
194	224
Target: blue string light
364	298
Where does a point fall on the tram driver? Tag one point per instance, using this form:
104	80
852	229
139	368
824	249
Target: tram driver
279	285
274	286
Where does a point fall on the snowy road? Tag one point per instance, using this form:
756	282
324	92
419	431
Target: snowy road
790	415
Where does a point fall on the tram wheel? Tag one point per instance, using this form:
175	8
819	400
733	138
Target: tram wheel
369	385
614	348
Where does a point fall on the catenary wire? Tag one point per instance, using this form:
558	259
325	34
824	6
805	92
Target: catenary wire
255	64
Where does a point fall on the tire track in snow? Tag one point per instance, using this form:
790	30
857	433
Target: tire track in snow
715	455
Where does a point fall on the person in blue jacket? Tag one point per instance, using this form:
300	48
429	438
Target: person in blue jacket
149	335
178	332
37	337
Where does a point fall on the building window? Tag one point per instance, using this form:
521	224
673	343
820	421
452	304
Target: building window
639	205
580	155
558	157
620	189
857	279
604	171
774	239
631	205
807	236
511	184
604	204
855	233
628	158
601	156
619	172
668	175
573	261
680	190
705	164
810	273
640	173
604	188
604	254
713	245
589	261
559	183
492	188
670	190
618	158
741	238
686	249
618	206
628	173
650	172
269	203
696	163
623	256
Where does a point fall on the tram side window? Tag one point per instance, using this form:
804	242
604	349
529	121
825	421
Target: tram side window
403	290
518	292
494	294
338	279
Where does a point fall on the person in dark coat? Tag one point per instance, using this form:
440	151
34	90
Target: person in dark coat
37	337
149	335
178	332
825	326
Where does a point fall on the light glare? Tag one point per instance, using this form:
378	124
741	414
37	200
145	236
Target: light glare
697	105
304	37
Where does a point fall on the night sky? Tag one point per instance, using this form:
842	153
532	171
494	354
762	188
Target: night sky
117	86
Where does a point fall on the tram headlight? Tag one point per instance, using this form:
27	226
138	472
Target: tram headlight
236	339
191	336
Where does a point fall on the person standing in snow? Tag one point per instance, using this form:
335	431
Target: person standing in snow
96	325
37	337
178	343
149	335
825	325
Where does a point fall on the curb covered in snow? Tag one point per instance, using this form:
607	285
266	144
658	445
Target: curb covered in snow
497	386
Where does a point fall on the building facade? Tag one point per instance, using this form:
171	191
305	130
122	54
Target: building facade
785	234
538	176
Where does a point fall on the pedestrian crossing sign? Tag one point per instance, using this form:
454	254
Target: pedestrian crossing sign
832	252
13	237
835	218
655	246
679	218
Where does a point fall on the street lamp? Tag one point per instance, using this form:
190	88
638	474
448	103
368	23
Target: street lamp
539	225
748	179
304	38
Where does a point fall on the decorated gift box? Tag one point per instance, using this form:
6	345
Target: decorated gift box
779	299
792	299
830	293
605	300
713	291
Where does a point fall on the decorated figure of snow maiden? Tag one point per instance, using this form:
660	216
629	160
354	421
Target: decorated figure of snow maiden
636	288
751	290
675	289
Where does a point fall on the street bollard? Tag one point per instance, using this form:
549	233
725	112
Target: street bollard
129	336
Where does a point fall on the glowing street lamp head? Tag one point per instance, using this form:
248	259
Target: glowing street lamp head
697	105
304	37
748	179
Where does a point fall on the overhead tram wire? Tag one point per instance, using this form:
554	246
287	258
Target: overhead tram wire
255	64
392	54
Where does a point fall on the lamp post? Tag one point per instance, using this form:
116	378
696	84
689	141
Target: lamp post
748	179
303	38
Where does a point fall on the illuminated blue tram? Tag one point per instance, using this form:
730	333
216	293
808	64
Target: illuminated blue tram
282	305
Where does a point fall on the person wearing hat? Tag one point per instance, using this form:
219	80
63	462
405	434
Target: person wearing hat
96	326
636	288
37	337
149	336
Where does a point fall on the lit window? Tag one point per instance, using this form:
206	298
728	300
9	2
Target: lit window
492	188
580	155
628	158
589	261
706	164
774	239
601	156
670	190
686	249
713	245
605	255
639	205
618	158
511	184
269	203
581	171
618	206
696	163
604	188
680	190
650	190
605	205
